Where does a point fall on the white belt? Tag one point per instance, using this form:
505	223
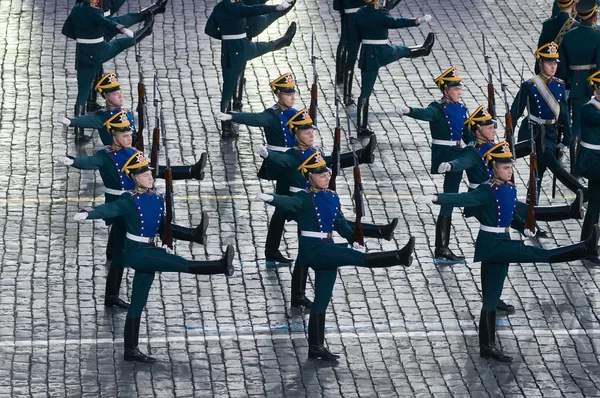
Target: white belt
367	41
473	186
351	10
542	121
582	67
91	41
445	142
590	146
137	238
107	13
233	37
320	235
495	230
115	192
295	189
278	148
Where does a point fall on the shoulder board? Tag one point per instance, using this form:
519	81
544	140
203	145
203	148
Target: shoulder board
439	102
559	81
530	82
489	183
132	192
275	107
104	109
472	144
108	149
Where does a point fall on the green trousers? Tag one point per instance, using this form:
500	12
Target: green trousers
126	20
368	77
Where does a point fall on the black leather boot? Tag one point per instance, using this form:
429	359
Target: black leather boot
362	118
348	80
238	92
340	63
316	339
590	220
425	49
379	231
570	182
195	171
443	254
80	137
145	30
391	258
91	105
487	338
227	130
157	8
522	149
214	267
366	155
299	277
272	254
573	152
556	213
109	245
286	39
577	251
197	235
131	337
113	284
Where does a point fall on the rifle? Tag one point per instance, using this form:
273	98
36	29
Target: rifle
490	87
141	108
156	131
335	169
167	237
558	153
508	123
359	207
533	178
314	90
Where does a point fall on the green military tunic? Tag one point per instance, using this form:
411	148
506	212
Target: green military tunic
97	120
553	30
588	160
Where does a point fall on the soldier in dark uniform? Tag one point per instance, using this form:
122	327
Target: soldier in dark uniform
370	27
142	210
546	97
446	119
554	28
317	210
227	23
588	159
347	9
495	201
87	24
289	165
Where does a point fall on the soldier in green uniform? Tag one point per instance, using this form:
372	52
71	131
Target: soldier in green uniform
109	161
546	98
579	55
87	24
495	201
227	23
555	27
142	210
370	27
317	210
588	159
446	119
290	163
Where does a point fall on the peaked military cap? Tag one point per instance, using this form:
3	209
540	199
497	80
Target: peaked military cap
480	117
499	153
301	121
284	84
108	83
594	78
118	123
586	8
548	51
314	163
565	3
449	78
136	164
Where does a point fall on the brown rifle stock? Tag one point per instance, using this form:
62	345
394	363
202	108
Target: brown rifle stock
491	100
358	236
139	139
168	231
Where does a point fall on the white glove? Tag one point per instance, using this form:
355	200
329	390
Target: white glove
221	117
262	151
424	19
358	246
403	110
65	121
127	32
263	197
64	160
285	5
425	199
560	146
444	167
80	216
528	233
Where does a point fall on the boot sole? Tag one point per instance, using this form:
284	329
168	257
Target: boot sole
204	227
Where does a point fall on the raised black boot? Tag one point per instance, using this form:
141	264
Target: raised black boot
215	267
113	285
577	251
195	171
391	258
145	30
425	49
157	8
272	254
109	245
348	80
443	254
197	235
487	338
131	337
522	149
570	182
286	39
299	277
379	231
557	213
366	155
316	339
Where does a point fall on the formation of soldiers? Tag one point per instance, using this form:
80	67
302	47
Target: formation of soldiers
560	114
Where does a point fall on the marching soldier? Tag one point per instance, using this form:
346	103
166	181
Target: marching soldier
142	210
347	9
87	25
554	28
548	108
109	161
495	201
446	119
227	23
370	27
290	164
317	210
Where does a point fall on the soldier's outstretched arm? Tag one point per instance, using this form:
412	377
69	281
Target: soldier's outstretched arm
108	24
118	208
465	160
255	10
262	119
291	204
94	162
390	22
284	160
92	121
474	198
428	114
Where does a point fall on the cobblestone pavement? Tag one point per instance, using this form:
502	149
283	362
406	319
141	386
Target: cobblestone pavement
401	332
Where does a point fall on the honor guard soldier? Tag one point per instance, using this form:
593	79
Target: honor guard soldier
554	28
143	210
588	159
546	98
109	161
227	23
317	211
347	9
446	119
370	27
495	201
